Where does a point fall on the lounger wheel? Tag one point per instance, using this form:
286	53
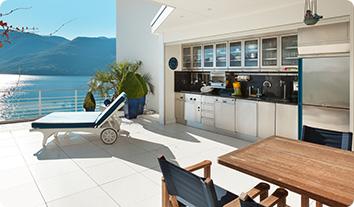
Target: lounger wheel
109	136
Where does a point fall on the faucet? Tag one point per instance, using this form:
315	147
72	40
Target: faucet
283	84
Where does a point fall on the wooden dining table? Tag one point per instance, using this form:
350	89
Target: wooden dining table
322	173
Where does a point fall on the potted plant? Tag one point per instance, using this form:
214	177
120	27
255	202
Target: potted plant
124	77
89	102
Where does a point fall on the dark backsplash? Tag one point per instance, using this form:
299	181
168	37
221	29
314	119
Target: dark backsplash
193	81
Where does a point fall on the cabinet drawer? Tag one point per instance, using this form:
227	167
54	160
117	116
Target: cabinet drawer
208	114
208	107
208	99
207	121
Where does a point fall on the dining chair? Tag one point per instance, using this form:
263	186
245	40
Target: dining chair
341	140
336	139
182	188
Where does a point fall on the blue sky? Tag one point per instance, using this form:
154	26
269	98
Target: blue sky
92	18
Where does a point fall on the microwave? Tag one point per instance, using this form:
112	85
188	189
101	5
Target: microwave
218	79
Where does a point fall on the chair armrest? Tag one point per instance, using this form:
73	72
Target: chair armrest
261	189
277	198
206	165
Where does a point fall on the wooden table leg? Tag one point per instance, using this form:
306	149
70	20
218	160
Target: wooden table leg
305	201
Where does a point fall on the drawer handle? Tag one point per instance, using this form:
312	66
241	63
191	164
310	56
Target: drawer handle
195	99
224	101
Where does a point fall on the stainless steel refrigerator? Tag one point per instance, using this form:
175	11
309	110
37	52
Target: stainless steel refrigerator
325	99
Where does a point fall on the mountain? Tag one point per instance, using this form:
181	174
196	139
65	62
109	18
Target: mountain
33	54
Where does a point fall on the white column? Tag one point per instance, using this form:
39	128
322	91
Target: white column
352	70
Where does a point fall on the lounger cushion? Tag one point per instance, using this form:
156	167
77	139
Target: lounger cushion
117	104
67	120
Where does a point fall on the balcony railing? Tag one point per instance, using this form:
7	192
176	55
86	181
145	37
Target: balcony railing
31	104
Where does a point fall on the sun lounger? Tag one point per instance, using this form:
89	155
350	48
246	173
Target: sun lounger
105	124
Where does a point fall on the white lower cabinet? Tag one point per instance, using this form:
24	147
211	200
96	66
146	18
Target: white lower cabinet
208	112
192	108
246	117
179	107
266	119
225	114
287	121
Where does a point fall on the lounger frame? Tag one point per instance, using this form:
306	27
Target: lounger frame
113	121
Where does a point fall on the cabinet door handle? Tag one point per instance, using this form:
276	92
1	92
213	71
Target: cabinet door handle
195	99
191	99
224	101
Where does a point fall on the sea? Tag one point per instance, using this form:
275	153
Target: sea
31	96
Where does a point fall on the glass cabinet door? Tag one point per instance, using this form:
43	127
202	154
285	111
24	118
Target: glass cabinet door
251	53
197	57
289	50
209	56
221	55
235	54
269	52
187	63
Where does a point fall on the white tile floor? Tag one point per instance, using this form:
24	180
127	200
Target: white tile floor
79	170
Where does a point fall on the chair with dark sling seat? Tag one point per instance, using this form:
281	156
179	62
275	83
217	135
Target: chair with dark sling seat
180	187
341	140
336	139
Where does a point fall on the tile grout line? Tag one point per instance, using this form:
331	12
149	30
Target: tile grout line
98	185
28	168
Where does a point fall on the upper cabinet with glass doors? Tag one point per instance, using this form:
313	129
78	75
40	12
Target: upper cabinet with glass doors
208	56
269	52
220	50
289	52
197	57
251	53
235	54
187	57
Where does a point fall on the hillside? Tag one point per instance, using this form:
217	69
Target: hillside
51	55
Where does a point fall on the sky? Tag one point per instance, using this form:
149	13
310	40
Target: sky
89	18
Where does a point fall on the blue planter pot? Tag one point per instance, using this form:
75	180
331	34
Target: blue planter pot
141	105
134	107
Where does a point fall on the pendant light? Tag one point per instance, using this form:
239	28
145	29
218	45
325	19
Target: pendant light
311	16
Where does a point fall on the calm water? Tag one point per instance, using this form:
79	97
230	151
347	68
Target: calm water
19	95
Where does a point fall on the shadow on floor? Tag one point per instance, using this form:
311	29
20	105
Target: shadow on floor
127	148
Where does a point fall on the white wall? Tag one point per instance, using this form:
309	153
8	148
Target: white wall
136	42
169	95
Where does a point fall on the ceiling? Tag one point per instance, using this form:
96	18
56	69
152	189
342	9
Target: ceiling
197	14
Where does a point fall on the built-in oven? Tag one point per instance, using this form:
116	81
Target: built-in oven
218	79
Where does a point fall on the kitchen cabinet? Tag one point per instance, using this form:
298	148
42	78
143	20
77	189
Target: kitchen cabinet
251	53
208	111
225	113
266	119
209	56
179	108
192	108
289	52
246	117
186	57
197	57
220	54
287	121
269	52
235	54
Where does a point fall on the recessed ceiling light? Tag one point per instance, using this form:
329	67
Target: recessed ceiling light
209	9
181	16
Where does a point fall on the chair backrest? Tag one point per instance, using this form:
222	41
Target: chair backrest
341	140
117	104
190	189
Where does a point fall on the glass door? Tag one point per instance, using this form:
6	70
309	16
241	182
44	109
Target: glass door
270	52
289	51
235	54
209	56
187	60
251	53
220	55
197	57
